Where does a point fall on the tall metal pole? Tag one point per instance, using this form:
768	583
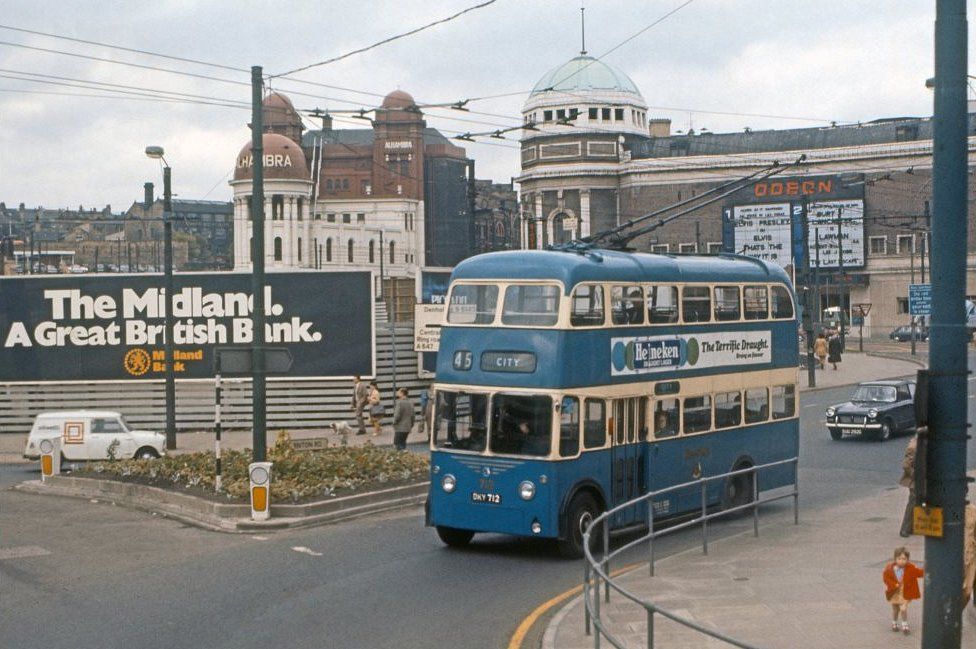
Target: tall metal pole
911	318
807	298
946	466
168	321
816	275
840	279
258	387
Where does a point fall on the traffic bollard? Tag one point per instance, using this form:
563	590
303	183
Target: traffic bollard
259	474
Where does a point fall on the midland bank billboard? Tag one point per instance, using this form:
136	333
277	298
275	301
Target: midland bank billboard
111	327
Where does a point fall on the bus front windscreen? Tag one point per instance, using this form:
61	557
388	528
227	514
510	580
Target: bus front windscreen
521	424
461	421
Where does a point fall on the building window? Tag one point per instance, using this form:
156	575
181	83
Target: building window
372	251
903	305
392	251
328	249
560	114
879	245
299	205
688	247
605	114
328	184
364	187
330	217
661	248
547	115
318	216
618	114
360	217
299	249
906	244
349	251
277	207
277	248
714	247
573	113
346	217
593	113
345	184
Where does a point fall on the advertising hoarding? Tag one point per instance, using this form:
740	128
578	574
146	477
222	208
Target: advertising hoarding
111	327
764	231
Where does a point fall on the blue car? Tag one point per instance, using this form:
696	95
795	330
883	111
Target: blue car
877	410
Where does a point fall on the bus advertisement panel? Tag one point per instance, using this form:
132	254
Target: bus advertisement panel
111	327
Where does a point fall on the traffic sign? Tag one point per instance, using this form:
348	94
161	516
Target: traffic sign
864	308
920	299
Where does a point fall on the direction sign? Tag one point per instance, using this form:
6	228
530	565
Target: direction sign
919	299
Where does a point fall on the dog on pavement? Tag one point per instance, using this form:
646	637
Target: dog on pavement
342	428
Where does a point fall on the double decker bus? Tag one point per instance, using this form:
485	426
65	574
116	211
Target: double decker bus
569	382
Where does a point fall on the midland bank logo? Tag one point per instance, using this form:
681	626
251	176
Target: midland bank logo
653	355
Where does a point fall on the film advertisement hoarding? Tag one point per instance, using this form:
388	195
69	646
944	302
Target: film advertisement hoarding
822	219
764	231
111	327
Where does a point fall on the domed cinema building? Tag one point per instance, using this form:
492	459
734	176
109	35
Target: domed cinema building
595	158
347	198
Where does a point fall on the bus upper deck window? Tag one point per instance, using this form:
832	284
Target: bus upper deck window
782	302
696	304
595	424
587	306
531	304
756	301
569	427
472	304
726	303
662	304
626	305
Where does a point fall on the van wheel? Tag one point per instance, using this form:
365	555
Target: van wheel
146	453
581	511
738	490
454	537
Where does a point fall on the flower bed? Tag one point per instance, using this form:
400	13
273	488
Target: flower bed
297	476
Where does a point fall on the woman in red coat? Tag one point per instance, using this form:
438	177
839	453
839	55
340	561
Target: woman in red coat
901	586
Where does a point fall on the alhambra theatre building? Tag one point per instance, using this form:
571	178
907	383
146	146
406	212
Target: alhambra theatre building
598	159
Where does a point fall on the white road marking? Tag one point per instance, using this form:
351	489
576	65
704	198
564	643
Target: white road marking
22	552
260	538
812	405
304	550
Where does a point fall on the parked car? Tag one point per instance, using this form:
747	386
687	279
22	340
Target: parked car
93	435
904	333
877	410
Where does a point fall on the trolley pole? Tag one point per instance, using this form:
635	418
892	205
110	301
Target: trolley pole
946	466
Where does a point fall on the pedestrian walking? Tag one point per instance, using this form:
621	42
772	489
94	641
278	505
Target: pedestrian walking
820	350
360	397
425	407
403	419
901	587
375	408
969	555
908	480
833	349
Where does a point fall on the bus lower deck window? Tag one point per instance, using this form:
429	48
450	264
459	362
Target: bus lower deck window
569	427
728	409
757	405
697	414
666	418
595	424
783	401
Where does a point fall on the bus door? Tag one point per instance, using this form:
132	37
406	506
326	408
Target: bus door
627	429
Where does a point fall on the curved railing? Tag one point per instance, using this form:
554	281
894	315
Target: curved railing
597	571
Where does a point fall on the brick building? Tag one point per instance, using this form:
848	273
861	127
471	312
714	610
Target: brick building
598	160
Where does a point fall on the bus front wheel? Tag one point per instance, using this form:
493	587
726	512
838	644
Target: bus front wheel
582	509
454	537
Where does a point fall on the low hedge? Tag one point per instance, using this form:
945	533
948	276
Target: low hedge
297	476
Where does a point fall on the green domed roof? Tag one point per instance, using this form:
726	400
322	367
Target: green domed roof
585	73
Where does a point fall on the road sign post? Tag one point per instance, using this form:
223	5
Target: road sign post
863	310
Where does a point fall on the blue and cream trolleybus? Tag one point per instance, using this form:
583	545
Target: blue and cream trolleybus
569	382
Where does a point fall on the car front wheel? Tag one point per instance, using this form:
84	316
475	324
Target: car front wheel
885	431
146	453
835	433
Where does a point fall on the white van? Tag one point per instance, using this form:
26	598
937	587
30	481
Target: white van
92	434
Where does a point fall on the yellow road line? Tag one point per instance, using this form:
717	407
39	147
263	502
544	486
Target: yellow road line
519	636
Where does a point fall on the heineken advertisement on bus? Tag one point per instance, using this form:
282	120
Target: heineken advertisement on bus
111	327
647	354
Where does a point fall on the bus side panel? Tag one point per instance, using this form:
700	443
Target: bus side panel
591	467
685	458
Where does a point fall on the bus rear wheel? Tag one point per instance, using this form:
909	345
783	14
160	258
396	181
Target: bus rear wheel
454	537
738	490
582	509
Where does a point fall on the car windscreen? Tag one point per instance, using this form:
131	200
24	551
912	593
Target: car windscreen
874	393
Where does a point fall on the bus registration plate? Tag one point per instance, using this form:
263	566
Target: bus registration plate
491	499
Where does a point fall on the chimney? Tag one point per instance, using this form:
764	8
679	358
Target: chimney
326	123
148	200
660	127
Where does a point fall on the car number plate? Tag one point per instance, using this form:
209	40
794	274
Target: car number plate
492	499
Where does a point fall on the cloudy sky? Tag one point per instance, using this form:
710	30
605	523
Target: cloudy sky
69	137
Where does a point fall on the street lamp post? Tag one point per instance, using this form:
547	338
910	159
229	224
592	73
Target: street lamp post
156	152
388	318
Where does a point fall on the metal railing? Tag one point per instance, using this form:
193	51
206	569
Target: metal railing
597	571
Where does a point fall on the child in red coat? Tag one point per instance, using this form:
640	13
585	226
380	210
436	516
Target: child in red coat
901	586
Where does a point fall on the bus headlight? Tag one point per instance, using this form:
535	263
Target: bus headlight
448	483
831	412
872	413
527	490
